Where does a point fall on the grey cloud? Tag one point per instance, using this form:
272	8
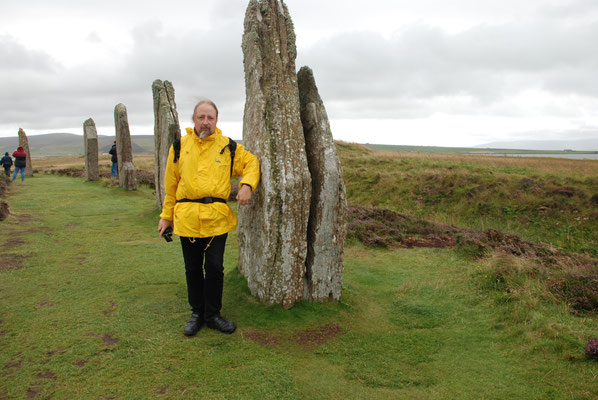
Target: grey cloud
573	9
93	37
198	62
196	57
486	63
16	57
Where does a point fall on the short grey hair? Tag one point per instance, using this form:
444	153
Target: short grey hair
204	101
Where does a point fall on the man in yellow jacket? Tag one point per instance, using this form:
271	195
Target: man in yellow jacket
197	185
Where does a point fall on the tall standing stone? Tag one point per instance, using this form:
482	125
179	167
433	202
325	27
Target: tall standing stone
126	170
328	211
273	229
90	141
24	143
166	131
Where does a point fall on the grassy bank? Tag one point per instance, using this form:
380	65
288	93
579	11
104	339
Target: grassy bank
553	201
92	305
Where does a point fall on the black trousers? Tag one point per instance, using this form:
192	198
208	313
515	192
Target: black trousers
204	292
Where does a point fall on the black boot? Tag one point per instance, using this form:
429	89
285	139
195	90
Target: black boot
221	324
194	324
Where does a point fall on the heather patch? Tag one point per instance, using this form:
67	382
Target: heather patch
146	178
592	349
4	183
4	210
579	288
71	171
384	228
529	281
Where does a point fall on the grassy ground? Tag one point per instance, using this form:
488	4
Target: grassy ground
92	305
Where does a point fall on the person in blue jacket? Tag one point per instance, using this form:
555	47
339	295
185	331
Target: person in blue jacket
6	162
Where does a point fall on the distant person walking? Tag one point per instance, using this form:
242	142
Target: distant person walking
6	162
114	159
20	163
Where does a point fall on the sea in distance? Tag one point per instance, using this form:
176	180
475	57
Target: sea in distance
591	156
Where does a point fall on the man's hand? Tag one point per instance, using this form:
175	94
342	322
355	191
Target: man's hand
244	195
163	224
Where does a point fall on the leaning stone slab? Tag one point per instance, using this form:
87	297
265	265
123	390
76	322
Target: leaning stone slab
273	229
90	141
328	211
24	143
126	171
166	131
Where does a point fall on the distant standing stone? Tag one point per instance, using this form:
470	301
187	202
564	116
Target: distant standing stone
166	131
90	140
126	170
24	143
328	212
273	229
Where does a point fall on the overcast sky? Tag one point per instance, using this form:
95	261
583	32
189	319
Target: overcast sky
426	72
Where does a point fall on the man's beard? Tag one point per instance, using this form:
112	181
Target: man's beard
204	133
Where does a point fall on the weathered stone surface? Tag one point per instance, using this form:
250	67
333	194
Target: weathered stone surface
328	211
90	143
273	229
126	171
24	143
166	131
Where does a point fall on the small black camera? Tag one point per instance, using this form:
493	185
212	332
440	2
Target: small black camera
167	234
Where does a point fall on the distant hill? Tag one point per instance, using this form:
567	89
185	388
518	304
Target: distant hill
578	144
68	144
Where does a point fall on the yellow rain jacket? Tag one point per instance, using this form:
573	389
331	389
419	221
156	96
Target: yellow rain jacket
202	171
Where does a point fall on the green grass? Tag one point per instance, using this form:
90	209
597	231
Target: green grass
97	307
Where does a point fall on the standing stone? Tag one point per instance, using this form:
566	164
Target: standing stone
24	143
90	140
166	131
328	212
273	228
126	170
